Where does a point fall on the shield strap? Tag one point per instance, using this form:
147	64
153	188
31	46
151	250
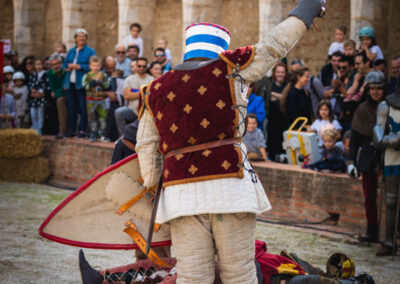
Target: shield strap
139	240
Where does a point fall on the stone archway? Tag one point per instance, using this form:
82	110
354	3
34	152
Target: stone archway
53	26
7	20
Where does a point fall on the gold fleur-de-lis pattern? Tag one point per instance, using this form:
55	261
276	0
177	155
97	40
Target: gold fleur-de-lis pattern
216	72
193	169
191	140
159	115
186	78
220	104
166	173
206	153
157	86
187	108
226	165
202	90
178	157
165	146
205	123
173	128
171	96
221	136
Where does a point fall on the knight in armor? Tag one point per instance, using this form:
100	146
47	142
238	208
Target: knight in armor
192	120
361	146
387	136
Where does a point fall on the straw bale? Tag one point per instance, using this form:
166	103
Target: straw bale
34	169
19	143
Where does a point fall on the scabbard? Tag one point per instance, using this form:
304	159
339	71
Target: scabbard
153	215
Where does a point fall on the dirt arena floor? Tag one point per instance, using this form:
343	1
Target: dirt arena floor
25	257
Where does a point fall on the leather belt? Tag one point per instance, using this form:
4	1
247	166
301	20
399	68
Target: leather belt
204	146
128	144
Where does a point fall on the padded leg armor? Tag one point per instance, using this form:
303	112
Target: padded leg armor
391	193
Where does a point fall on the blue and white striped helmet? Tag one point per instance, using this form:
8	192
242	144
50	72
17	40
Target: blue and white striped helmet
206	40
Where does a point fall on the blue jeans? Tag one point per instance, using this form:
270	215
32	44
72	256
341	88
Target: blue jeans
76	99
37	116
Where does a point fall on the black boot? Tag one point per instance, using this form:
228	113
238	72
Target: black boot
371	236
89	275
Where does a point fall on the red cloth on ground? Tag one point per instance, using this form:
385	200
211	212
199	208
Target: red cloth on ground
272	264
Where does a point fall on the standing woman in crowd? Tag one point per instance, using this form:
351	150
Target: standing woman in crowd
76	64
361	138
296	100
277	122
27	67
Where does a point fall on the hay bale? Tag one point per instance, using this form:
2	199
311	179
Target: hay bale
24	169
19	143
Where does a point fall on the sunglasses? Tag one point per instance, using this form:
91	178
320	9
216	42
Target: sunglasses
342	67
159	55
120	52
29	63
141	66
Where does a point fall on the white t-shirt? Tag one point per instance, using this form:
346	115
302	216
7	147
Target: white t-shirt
129	40
319	123
376	49
336	46
135	82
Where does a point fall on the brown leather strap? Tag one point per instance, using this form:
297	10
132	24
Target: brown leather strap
204	146
128	144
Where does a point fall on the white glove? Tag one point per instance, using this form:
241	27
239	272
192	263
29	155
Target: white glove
352	171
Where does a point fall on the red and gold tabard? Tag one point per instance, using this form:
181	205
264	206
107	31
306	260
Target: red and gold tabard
193	107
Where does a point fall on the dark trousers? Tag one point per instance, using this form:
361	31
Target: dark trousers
369	183
76	99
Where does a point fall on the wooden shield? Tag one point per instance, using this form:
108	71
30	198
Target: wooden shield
87	218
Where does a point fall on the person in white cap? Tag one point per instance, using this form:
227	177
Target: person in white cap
21	95
191	123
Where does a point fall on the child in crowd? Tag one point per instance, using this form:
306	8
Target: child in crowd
134	38
39	87
345	145
21	95
254	140
8	72
95	82
340	36
7	109
325	117
349	48
163	43
60	49
369	45
332	156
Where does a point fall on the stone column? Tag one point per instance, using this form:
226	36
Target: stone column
78	14
29	26
362	14
270	15
199	11
137	11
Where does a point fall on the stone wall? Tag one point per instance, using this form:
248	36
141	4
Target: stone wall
169	25
239	18
53	26
107	27
295	193
313	48
6	20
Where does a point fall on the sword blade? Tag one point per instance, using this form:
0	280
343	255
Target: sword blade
153	216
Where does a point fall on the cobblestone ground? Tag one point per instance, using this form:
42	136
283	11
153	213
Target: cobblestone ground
25	257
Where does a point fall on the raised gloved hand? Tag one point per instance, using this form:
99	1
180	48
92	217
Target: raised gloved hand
352	171
307	10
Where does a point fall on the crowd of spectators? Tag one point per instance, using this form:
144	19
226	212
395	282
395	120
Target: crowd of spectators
74	93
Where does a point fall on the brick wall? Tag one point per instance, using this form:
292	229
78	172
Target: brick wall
295	193
74	161
301	194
